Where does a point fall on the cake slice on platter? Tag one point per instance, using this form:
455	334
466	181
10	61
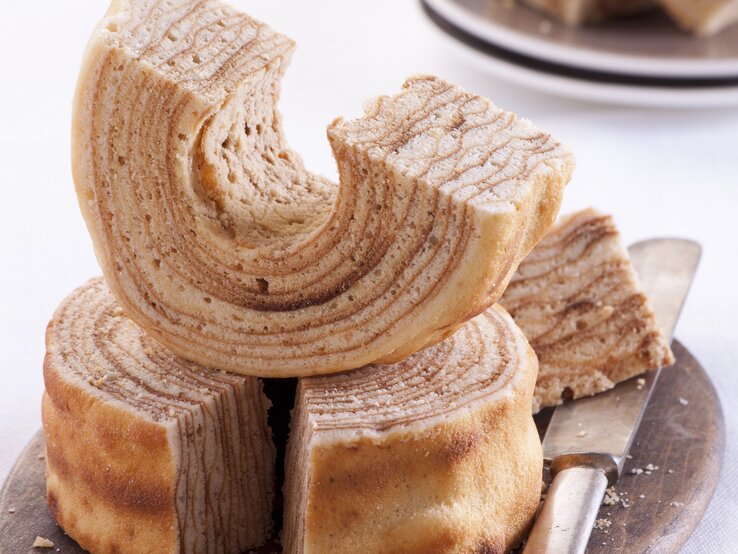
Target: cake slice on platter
146	452
702	17
438	453
579	303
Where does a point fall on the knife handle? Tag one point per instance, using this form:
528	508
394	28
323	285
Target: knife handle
569	511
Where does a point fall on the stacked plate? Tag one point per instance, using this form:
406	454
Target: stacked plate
644	60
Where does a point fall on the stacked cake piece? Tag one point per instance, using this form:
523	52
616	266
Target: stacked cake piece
221	245
438	453
577	299
225	261
147	452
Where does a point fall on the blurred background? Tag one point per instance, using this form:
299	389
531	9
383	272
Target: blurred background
661	172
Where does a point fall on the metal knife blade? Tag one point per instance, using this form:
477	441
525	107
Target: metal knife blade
607	423
587	439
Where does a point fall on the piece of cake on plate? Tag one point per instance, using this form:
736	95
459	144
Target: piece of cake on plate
146	452
578	300
438	453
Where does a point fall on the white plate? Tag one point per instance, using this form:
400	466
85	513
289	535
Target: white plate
642	61
648	45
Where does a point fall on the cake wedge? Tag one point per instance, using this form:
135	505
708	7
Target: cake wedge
146	452
217	240
702	17
438	453
578	300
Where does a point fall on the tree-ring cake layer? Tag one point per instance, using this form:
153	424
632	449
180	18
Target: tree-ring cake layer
216	239
578	300
438	453
147	452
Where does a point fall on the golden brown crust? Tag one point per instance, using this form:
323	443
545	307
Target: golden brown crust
98	489
216	239
130	430
458	473
579	302
463	487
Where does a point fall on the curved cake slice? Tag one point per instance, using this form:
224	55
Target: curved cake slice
702	17
436	454
146	452
216	239
578	301
578	12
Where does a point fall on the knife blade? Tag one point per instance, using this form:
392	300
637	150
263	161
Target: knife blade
588	439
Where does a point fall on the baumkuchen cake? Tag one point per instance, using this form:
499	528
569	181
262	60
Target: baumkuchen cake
577	12
702	17
147	452
216	239
578	300
438	453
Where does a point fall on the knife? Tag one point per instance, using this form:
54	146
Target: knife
587	439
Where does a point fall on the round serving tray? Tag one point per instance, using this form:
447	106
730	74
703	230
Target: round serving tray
649	45
643	61
682	433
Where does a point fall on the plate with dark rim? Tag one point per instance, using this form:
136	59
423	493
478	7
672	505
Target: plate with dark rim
644	60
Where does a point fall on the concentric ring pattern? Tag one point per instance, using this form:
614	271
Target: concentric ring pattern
216	239
131	431
438	453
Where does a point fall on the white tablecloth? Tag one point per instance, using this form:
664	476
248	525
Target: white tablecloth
662	173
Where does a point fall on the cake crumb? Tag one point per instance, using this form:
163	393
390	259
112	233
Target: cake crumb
636	471
581	434
602	523
683	401
611	497
642	496
11	510
641	382
41	542
670	471
676	504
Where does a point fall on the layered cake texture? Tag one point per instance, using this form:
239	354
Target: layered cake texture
147	452
228	266
218	241
579	303
702	17
438	453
